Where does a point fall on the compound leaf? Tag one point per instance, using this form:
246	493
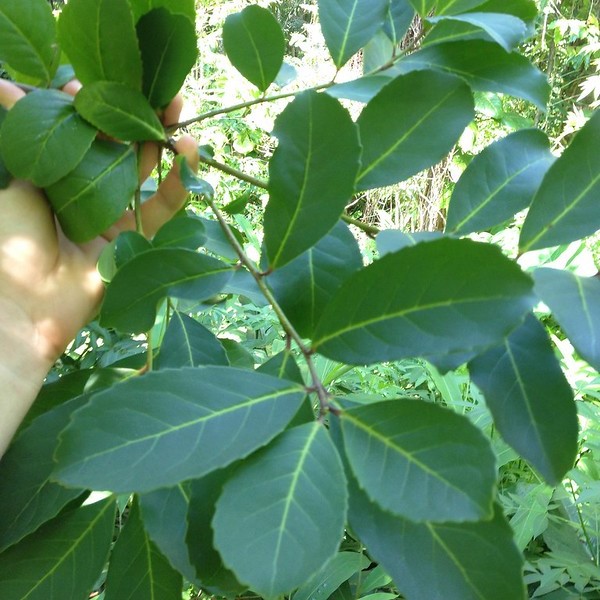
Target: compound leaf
170	424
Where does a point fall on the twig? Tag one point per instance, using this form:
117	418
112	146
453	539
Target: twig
235	172
370	230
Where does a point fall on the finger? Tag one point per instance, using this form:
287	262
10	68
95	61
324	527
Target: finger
171	195
9	94
72	87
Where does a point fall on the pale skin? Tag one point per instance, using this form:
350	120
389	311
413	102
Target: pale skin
49	286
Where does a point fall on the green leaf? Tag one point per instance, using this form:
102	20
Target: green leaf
392	240
305	285
281	515
575	303
119	111
530	399
170	423
348	25
165	514
312	171
137	569
210	569
485	66
39	128
99	38
284	366
339	569
27	38
506	30
449	561
254	43
169	51
65	555
183	231
420	461
526	10
462	296
399	17
27	496
499	182
131	299
237	355
128	245
359	90
96	193
179	7
410	125
189	344
565	207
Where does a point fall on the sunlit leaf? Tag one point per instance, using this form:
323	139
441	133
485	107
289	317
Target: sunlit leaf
39	128
565	207
348	25
530	399
170	424
281	515
462	296
313	169
410	125
180	7
254	44
499	182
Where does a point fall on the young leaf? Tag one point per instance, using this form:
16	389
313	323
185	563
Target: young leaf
137	569
281	515
189	344
66	554
506	30
168	46
27	38
131	298
165	513
575	302
565	207
410	125
348	25
485	66
119	111
305	285
27	496
312	170
43	138
449	561
463	296
211	571
530	399
183	231
96	193
499	182
171	425
420	461
398	19
255	45
178	7
99	38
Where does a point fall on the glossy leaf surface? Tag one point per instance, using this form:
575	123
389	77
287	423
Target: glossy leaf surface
281	516
305	285
530	399
137	569
463	296
313	169
96	193
43	138
187	343
99	38
168	46
255	45
485	66
420	461
565	207
575	303
119	111
170	424
66	554
392	240
499	182
410	125
27	38
131	300
348	25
